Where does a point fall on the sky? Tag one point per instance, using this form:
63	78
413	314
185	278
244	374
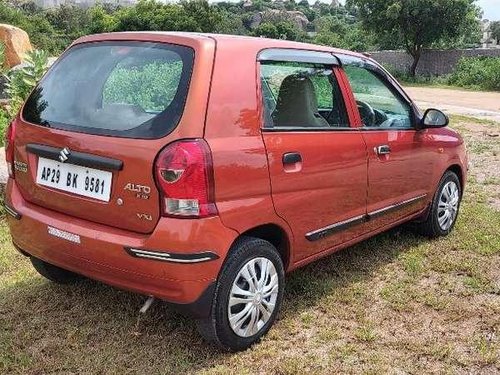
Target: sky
491	9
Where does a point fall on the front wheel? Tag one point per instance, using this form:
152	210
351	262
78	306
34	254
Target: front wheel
443	212
248	296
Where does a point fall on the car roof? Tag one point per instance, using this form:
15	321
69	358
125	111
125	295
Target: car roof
238	41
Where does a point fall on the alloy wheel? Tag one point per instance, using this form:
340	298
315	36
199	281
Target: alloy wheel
448	205
252	298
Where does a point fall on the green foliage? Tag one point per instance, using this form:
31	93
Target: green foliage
360	25
35	22
342	32
2	58
495	30
477	73
281	30
192	15
101	20
21	81
405	77
4	122
69	20
151	87
418	24
55	28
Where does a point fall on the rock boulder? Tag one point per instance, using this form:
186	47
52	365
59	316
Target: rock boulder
16	42
275	15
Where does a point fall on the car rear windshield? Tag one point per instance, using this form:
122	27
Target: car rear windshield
124	89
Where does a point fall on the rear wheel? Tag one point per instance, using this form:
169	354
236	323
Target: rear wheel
444	209
54	273
248	296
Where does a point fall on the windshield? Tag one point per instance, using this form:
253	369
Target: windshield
127	89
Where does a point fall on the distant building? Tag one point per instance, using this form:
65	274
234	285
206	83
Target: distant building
487	41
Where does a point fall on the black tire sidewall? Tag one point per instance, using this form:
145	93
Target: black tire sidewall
249	250
53	273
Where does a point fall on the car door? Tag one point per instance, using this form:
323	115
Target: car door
317	161
400	162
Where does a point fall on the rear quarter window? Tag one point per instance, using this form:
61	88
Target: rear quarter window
125	89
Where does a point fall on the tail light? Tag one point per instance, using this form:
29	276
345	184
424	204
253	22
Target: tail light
184	174
9	148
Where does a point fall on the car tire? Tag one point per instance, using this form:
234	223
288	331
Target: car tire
54	273
251	315
444	209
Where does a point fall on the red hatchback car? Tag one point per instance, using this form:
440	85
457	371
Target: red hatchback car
199	169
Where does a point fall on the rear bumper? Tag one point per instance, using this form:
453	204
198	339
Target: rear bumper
103	253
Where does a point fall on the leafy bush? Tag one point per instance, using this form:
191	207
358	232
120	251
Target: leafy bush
19	84
2	58
477	73
4	122
407	78
21	81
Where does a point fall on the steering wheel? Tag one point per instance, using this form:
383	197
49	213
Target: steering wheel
367	113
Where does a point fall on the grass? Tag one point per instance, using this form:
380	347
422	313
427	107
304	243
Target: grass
397	303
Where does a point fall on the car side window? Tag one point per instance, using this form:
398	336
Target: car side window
301	95
378	105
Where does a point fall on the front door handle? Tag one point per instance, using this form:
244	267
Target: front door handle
291	158
382	150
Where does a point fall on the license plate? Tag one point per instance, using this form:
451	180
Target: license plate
89	182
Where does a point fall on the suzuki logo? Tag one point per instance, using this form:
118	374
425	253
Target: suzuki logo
63	155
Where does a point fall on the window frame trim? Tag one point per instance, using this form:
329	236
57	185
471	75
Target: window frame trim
301	56
186	81
298	56
391	83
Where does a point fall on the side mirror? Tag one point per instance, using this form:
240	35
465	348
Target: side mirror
434	118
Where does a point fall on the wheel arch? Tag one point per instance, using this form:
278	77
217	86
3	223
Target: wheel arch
457	169
274	234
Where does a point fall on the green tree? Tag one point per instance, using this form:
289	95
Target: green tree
341	32
209	19
495	30
417	24
33	20
70	19
287	30
190	15
101	20
266	30
281	30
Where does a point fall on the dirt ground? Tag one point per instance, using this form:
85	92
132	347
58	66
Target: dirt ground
483	145
478	104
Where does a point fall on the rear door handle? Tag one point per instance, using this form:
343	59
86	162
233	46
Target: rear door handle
291	158
382	150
